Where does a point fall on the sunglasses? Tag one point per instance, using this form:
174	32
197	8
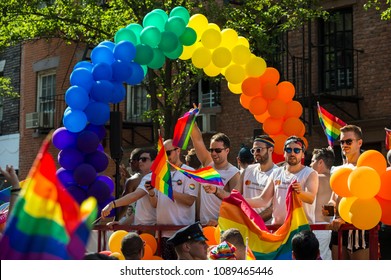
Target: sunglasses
347	142
257	150
295	150
217	150
168	152
144	159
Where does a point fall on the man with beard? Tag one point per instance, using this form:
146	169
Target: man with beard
304	181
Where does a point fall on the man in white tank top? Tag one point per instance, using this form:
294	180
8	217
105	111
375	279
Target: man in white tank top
305	178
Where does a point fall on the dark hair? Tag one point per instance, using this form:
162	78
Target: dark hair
265	139
98	256
221	137
305	245
354	128
296	140
245	155
151	151
131	246
233	236
192	159
136	153
326	154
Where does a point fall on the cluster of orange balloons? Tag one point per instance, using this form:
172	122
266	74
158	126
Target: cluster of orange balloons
365	191
212	234
115	245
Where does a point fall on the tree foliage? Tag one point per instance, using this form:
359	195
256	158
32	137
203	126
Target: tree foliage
384	8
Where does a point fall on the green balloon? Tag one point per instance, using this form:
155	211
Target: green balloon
158	59
188	37
145	69
125	35
169	41
181	12
176	53
144	54
154	19
176	25
150	36
136	29
161	12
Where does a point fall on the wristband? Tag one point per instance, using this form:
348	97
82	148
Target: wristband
115	206
215	193
16	190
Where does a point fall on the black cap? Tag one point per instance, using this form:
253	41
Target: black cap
191	232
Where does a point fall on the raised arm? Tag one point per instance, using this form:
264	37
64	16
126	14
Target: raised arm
199	146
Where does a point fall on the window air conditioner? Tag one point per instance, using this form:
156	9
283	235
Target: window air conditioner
40	120
32	120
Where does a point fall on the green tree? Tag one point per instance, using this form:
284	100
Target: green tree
384	8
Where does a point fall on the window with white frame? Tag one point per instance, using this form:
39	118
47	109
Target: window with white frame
138	103
46	97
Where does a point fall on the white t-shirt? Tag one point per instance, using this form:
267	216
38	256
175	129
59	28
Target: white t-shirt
210	204
145	214
170	212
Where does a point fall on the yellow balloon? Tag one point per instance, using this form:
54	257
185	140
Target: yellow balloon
235	88
212	70
364	182
116	239
243	41
117	255
339	181
214	26
211	38
229	38
221	57
199	23
255	67
365	213
240	54
217	234
188	51
344	208
201	57
235	74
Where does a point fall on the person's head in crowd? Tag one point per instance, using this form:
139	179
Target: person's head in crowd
322	159
146	158
173	152
389	157
132	246
222	251
133	159
244	157
234	237
98	256
294	149
192	159
262	150
219	148
190	243
305	246
351	142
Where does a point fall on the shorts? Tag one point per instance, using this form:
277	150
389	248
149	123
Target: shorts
355	244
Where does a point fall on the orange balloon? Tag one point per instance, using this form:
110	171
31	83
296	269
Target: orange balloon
279	142
245	100
117	255
156	258
386	210
277	108
292	126
107	253
385	187
116	239
374	159
150	240
271	75
251	86
148	254
258	105
273	125
209	233
364	182
269	91
294	109
262	118
339	181
286	91
365	213
344	208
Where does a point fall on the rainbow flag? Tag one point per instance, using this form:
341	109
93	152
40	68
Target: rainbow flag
388	139
183	127
331	125
5	195
235	212
161	175
46	222
206	175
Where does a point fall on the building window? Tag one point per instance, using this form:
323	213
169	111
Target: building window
336	51
209	93
138	103
46	98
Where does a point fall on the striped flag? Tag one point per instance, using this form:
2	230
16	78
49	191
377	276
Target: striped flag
331	125
388	139
235	212
161	175
206	175
46	222
183	127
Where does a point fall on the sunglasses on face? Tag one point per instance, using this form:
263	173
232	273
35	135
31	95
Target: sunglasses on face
347	142
257	150
217	150
168	152
295	150
144	159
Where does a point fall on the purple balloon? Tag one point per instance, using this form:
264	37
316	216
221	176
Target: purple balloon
84	174
99	130
65	177
98	160
107	180
87	141
62	138
102	205
77	193
100	190
100	148
70	158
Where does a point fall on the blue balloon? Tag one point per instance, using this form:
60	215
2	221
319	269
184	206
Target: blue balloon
70	158
77	193
108	44
100	190
66	177
102	71
121	70
137	74
82	77
75	120
87	141
98	113
83	64
118	93
101	54
63	138
107	180
84	174
124	51
99	130
77	98
98	160
102	90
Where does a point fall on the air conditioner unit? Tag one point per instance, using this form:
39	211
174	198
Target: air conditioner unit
32	120
207	122
40	120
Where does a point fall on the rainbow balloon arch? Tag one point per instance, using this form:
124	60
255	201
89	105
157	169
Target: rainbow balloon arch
98	83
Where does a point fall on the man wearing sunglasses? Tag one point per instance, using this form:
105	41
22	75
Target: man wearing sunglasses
181	211
217	157
304	181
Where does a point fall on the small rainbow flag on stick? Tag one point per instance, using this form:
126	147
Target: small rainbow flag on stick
388	139
206	175
161	175
331	125
46	222
183	129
